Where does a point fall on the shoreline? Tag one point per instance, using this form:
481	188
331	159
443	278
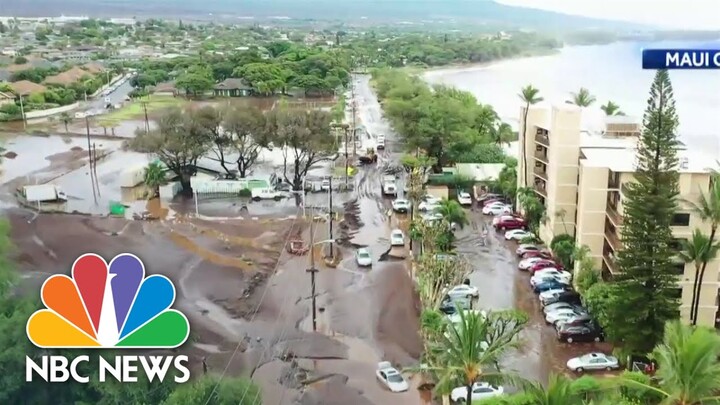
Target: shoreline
475	65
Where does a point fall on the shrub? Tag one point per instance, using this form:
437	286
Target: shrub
587	276
561	237
245	193
564	250
636	393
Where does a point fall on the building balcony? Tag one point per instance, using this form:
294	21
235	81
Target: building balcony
540	189
540	172
542	139
613	240
541	156
615	218
611	262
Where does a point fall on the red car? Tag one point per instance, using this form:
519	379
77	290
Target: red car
544	264
507	222
537	253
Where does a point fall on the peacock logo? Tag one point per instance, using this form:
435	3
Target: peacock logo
104	306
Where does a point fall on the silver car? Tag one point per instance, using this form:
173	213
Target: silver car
593	361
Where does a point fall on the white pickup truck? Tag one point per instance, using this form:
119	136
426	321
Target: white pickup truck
389	186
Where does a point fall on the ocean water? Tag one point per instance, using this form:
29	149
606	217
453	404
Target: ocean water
611	72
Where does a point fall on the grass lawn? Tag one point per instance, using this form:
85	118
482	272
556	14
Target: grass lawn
134	109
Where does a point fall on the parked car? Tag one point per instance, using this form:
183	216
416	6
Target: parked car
527	247
593	361
564	314
540	254
580	333
325	185
401	205
390	377
564	276
509	222
496	209
547	279
541	264
489	201
429	203
488	196
363	258
464	198
397	238
560	295
577	319
517	234
480	390
449	305
546	264
548	285
463	290
433	216
526	264
558	306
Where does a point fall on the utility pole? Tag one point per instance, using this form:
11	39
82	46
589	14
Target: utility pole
94	169
312	270
346	159
330	218
90	158
354	114
147	122
22	112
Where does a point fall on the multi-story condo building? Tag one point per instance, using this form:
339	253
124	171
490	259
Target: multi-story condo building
581	178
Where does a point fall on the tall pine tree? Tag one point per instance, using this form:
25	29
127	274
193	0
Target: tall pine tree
644	298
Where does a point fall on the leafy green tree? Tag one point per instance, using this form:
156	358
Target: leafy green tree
645	286
529	96
533	209
611	109
154	177
265	78
688	368
708	208
503	134
228	391
583	98
470	350
453	212
195	82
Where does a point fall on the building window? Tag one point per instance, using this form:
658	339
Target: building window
679	269
680	220
677	244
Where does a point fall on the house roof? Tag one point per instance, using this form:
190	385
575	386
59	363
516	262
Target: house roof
6	96
166	86
233	84
25	87
94	67
67	77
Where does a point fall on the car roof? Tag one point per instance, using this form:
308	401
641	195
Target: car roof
363	250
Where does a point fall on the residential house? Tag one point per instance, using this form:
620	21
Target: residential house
232	88
165	89
6	98
26	88
582	178
68	77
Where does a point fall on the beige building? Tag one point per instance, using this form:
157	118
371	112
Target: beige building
580	177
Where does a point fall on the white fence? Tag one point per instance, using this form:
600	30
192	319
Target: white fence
169	191
50	111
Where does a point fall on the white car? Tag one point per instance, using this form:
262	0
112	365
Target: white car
325	185
535	280
563	314
480	390
529	262
545	295
390	377
497	209
593	361
557	306
429	203
432	217
397	238
564	276
517	234
463	291
389	189
401	205
363	258
464	198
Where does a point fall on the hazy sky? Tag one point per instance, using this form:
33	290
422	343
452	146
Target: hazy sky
686	14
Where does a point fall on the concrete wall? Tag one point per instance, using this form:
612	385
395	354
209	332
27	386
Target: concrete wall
51	111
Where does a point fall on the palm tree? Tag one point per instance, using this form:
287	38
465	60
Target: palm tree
697	250
611	109
688	371
503	134
560	390
66	119
582	98
154	177
470	347
529	96
452	212
708	209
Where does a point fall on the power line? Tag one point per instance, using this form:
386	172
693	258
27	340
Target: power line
252	318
